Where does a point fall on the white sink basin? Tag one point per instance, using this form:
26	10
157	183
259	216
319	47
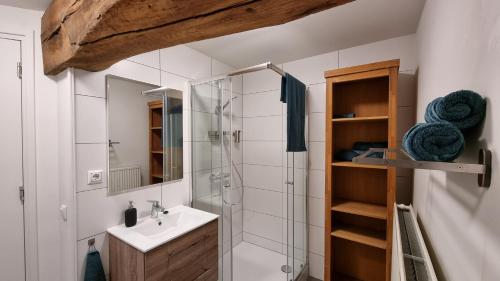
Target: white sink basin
150	233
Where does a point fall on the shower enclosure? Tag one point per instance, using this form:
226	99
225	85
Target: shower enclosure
262	230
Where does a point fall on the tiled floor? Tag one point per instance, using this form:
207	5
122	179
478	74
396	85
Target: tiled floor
253	263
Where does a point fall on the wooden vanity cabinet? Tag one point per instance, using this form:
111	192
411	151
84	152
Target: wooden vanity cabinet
191	257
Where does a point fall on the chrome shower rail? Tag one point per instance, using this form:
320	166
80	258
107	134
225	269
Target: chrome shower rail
259	67
266	65
169	92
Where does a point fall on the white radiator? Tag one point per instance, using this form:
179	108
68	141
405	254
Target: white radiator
410	259
124	178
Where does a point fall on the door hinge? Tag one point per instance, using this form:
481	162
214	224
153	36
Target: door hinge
21	194
19	70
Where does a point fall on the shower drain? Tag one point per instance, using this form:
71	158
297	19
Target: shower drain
286	268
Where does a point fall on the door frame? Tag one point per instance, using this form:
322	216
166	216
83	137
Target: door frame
26	39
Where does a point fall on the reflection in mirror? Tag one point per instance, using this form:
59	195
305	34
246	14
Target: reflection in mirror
144	134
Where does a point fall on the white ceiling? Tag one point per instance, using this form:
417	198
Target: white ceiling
353	24
40	5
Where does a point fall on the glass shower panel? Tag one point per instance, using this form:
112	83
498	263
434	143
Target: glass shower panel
224	123
210	175
297	217
204	192
172	138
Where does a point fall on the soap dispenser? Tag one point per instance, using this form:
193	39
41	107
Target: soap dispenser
130	215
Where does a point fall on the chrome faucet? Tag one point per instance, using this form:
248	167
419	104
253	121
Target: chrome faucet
156	208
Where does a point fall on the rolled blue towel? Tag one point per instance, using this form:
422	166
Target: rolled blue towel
464	109
441	141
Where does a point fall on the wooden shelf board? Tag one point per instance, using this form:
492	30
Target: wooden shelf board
360	119
343	277
360	209
361	235
356	165
157	152
159	176
156	128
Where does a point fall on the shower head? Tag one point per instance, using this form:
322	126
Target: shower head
227	102
218	109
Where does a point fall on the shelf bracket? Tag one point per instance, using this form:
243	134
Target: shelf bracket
390	158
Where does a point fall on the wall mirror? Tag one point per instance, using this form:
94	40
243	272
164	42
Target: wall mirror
144	134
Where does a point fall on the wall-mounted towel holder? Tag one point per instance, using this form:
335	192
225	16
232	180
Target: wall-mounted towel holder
91	243
400	159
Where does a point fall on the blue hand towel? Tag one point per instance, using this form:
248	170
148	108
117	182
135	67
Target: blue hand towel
441	141
364	146
93	269
293	93
464	109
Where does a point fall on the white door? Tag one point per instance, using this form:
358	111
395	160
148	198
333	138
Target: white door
11	164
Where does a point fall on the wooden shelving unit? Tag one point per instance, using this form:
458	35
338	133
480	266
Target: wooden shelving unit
361	235
360	119
360	209
341	277
357	165
155	142
359	198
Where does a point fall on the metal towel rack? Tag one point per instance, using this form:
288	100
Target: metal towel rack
400	159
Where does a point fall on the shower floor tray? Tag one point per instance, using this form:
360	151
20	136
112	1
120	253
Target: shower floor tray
252	263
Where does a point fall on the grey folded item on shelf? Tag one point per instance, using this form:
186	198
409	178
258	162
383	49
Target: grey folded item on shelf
346	115
359	148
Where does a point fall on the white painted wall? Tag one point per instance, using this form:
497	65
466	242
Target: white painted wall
96	210
47	177
263	154
459	48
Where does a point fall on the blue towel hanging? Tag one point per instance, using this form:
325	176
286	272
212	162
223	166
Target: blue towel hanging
293	93
94	270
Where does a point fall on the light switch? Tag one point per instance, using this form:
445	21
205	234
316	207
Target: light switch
64	212
94	177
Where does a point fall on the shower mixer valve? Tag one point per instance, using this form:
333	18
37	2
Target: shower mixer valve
237	136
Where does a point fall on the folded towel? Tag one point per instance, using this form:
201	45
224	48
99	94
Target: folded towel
347	115
464	109
293	93
360	145
94	270
346	155
441	141
359	148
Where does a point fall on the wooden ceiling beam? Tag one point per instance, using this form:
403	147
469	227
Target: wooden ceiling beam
94	34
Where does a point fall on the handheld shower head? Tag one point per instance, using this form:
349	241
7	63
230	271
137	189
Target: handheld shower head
228	101
218	109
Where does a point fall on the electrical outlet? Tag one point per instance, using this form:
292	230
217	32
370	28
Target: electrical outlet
94	177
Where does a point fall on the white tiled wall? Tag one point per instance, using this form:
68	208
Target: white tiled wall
96	210
263	157
263	202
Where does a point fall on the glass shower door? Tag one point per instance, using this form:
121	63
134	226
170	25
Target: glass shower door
297	216
211	123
